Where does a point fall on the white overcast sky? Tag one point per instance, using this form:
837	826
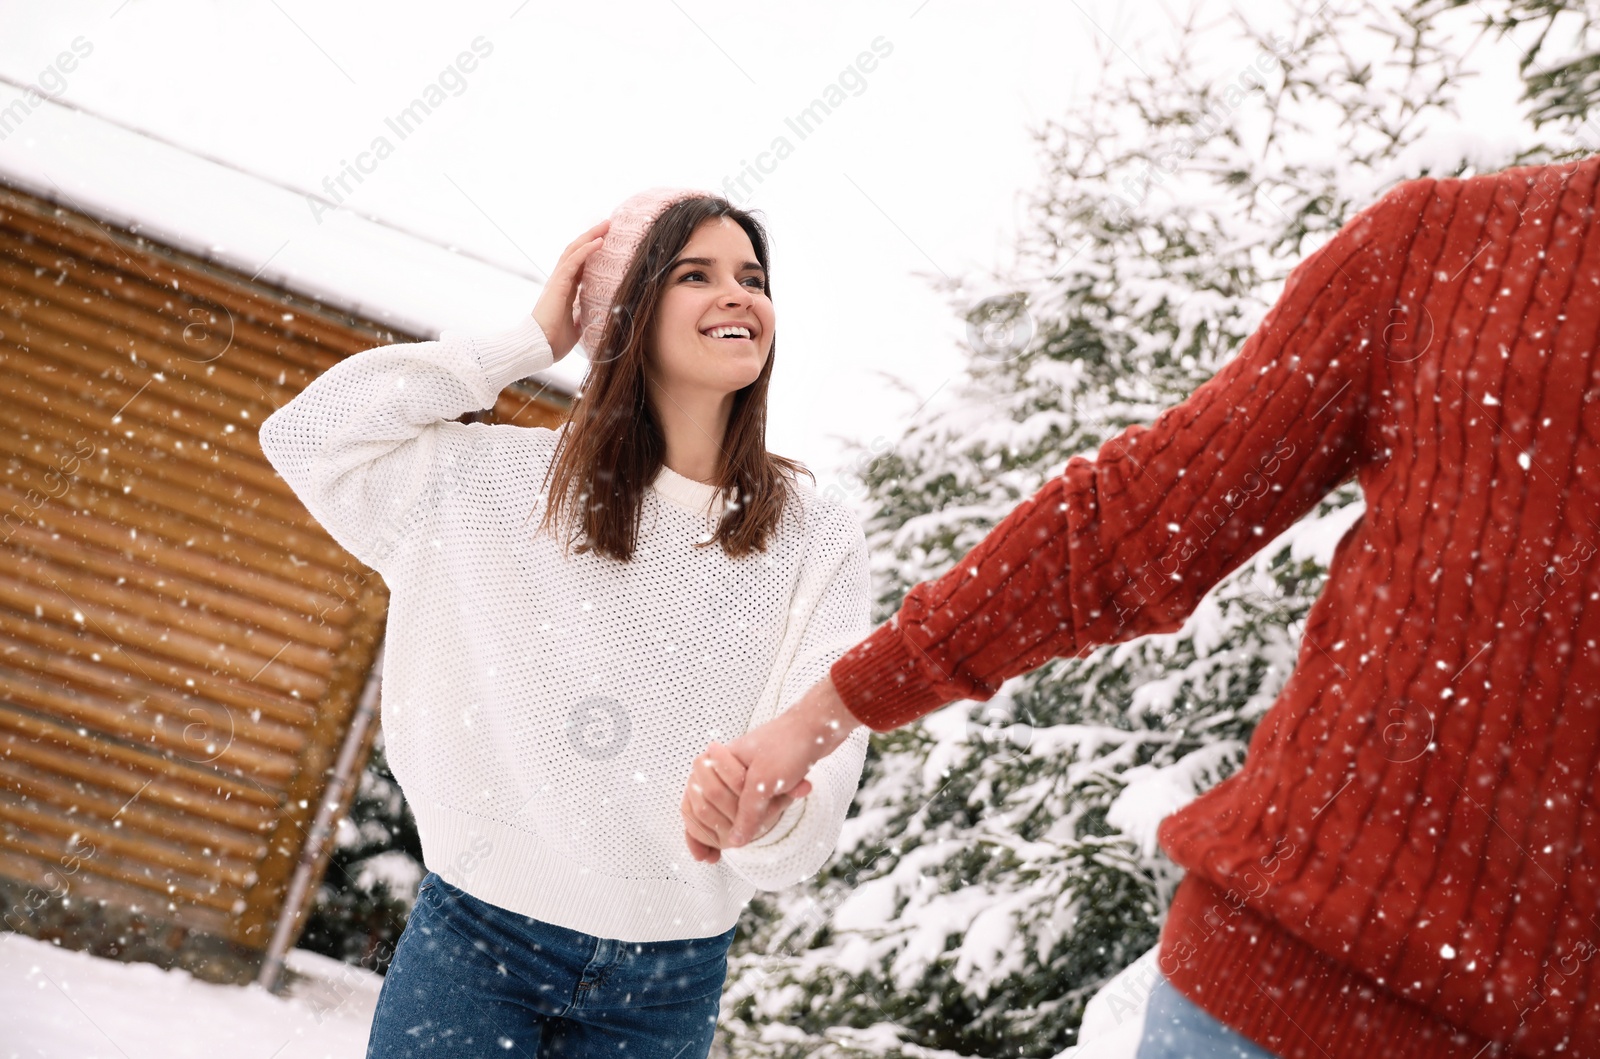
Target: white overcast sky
579	105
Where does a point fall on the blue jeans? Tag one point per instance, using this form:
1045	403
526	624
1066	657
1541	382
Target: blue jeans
1175	1027
472	979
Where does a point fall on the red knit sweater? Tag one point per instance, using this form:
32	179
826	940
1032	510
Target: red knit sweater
1408	861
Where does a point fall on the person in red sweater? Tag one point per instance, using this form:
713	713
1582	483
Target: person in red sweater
1408	860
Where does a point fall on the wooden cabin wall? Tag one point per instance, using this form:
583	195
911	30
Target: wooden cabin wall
181	645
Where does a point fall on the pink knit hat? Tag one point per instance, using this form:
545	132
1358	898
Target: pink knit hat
604	269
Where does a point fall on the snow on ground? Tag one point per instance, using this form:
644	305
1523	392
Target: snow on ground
1114	1018
59	1004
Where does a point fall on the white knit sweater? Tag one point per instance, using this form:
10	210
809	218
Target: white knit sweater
542	711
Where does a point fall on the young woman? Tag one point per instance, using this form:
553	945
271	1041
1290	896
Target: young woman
578	620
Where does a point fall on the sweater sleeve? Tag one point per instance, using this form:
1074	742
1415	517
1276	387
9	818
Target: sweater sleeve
1128	543
804	837
368	441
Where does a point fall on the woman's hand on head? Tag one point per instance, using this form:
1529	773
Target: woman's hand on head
557	309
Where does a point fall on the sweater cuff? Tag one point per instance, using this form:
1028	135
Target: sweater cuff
785	855
785	824
507	356
880	682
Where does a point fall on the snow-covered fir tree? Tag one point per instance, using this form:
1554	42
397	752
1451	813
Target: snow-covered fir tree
1001	862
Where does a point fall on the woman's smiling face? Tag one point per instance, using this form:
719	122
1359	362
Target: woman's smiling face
715	280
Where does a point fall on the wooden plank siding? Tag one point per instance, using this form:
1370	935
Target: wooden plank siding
181	645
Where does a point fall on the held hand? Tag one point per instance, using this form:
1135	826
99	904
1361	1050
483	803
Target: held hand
557	308
712	796
710	799
777	755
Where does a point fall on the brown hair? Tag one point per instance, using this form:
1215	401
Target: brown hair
613	446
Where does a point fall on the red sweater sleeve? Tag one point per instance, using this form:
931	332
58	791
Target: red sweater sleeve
1128	543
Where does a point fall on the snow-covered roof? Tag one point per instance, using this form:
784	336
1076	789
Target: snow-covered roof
208	208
